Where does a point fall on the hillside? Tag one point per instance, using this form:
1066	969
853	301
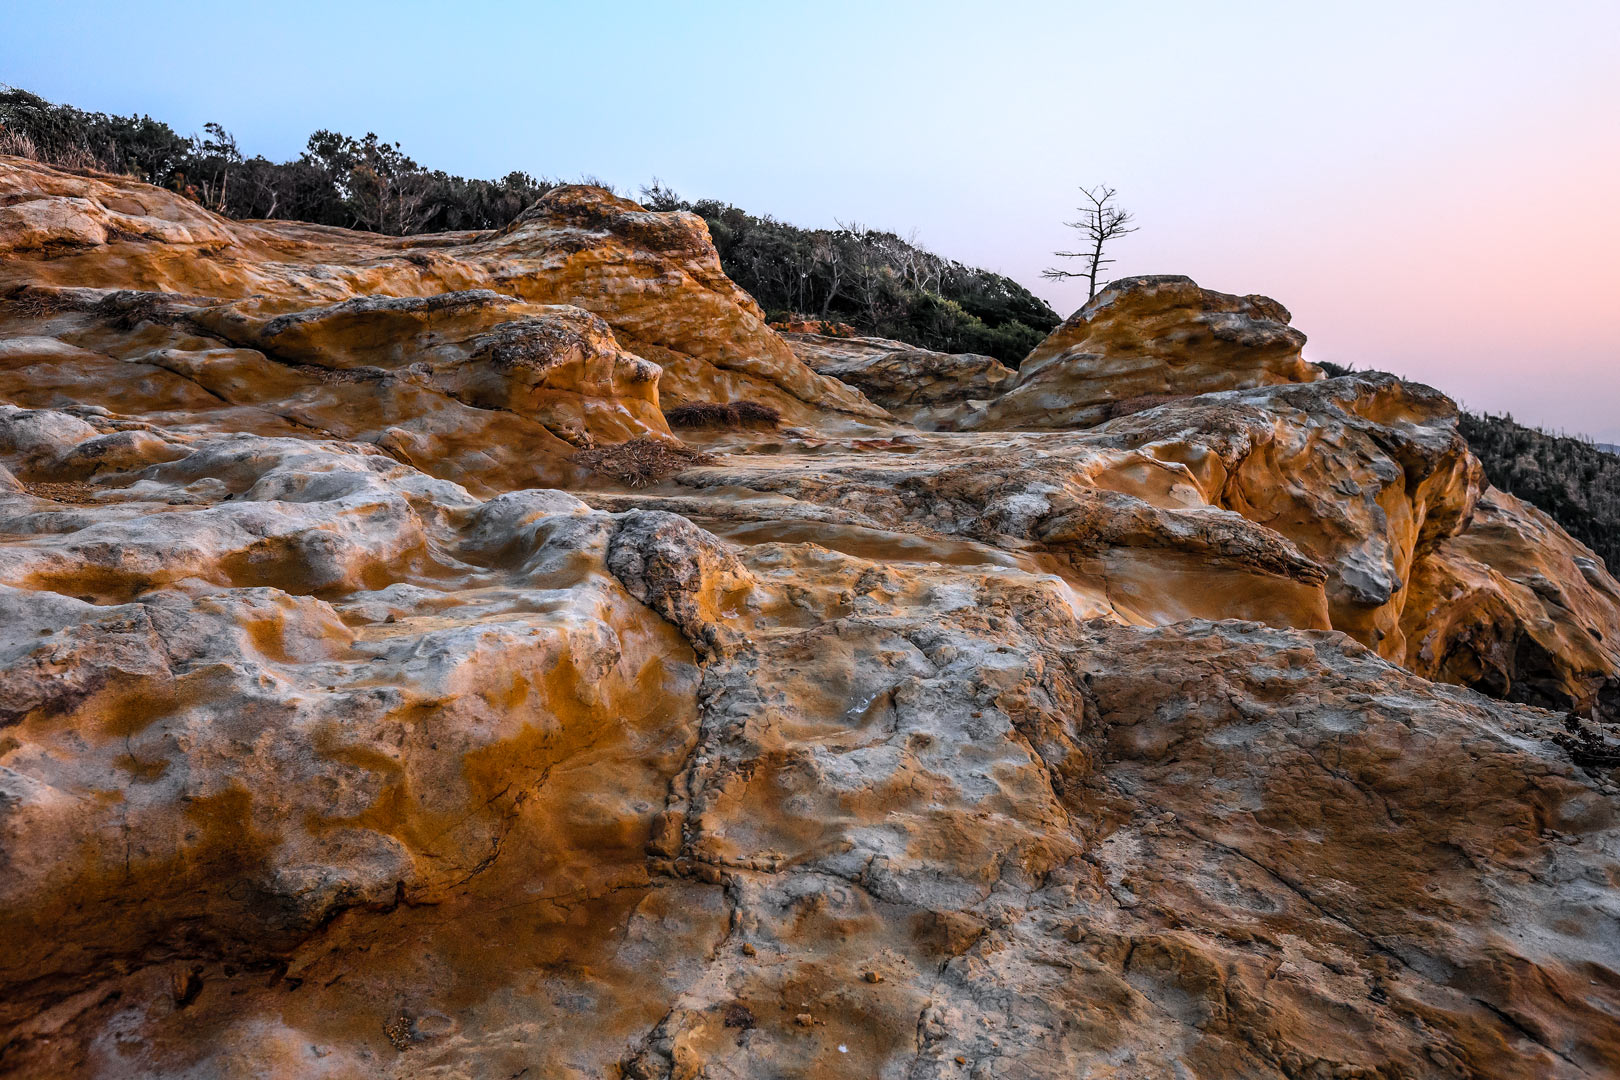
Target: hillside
502	653
872	279
1576	481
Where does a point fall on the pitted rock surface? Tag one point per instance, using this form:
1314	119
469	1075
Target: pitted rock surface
351	728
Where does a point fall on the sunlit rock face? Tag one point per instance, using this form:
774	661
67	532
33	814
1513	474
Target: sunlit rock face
460	348
349	727
1144	340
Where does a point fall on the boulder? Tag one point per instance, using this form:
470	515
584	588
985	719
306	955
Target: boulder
1143	340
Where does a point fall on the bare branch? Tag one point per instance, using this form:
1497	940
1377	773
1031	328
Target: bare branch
1099	223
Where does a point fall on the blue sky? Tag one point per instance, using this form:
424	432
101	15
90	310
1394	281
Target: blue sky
1429	186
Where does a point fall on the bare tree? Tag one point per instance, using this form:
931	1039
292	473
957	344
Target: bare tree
220	151
1099	223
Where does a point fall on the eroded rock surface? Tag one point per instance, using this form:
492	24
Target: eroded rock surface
922	387
451	352
1144	340
350	728
1516	608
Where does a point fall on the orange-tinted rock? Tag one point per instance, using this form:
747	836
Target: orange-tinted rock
336	740
654	277
920	386
1516	608
1144	338
1298	505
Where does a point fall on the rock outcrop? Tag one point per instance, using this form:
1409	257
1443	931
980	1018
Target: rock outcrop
350	727
1515	608
924	388
655	279
1146	340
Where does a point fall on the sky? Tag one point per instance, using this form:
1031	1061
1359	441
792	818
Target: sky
1432	188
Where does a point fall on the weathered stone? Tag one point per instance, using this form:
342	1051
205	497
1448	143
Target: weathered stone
1513	607
1143	340
922	387
336	739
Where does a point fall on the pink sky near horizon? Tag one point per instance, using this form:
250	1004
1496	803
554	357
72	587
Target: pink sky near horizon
1494	278
1432	187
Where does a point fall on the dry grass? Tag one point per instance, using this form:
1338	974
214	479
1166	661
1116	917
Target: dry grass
16	144
1140	403
40	304
116	235
643	461
126	308
64	491
74	159
804	324
733	414
1586	745
129	309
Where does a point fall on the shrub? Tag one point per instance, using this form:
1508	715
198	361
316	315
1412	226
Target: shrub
734	414
366	183
873	280
642	461
1573	481
870	279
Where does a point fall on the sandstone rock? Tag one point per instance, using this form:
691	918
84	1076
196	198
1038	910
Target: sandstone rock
278	757
941	748
654	277
560	366
1514	607
337	740
916	385
1143	340
1299	505
42	207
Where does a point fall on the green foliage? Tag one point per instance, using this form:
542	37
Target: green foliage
1572	480
366	183
874	280
871	279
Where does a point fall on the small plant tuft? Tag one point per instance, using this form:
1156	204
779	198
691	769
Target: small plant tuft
732	414
642	461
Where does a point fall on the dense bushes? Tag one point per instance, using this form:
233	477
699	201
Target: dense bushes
1571	479
873	280
364	183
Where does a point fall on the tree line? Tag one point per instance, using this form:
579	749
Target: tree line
876	281
1572	480
873	280
366	183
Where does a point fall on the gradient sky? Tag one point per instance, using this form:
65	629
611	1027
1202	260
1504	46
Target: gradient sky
1433	188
